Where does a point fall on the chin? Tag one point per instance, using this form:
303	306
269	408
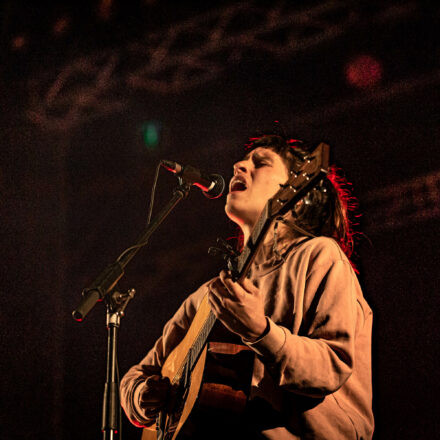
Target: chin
234	213
241	215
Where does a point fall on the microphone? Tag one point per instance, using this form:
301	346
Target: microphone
212	185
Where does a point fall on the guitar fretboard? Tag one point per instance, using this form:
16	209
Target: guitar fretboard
193	354
250	249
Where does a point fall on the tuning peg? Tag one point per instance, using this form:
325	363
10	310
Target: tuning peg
300	155
307	199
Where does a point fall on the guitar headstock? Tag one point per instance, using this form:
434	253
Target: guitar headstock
301	180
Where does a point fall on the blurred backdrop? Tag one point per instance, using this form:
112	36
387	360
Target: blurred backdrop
94	93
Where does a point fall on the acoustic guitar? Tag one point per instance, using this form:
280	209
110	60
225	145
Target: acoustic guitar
185	364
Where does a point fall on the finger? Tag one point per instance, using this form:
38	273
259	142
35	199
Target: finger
223	315
249	286
219	307
154	396
243	286
225	275
219	290
235	289
225	281
151	380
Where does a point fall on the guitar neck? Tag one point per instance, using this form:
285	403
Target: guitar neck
252	246
198	345
244	262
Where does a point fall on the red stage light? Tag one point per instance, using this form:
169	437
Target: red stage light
18	42
364	71
61	26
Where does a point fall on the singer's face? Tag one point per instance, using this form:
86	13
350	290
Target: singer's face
256	179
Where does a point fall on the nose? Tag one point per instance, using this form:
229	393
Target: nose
241	166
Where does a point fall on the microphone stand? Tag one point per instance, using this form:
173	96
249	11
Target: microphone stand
102	289
111	415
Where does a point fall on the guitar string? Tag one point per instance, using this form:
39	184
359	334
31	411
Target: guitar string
196	348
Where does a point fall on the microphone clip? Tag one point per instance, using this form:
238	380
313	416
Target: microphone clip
212	185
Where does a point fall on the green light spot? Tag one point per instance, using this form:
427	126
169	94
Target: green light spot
151	134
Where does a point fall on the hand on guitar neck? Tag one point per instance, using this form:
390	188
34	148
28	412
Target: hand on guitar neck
239	306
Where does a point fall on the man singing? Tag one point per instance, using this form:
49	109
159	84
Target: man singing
299	326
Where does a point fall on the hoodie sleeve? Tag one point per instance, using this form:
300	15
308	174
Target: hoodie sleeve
319	359
134	380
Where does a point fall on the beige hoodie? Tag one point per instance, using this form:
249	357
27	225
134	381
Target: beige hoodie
314	365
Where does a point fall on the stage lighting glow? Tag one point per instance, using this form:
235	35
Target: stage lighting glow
151	134
364	71
61	26
19	42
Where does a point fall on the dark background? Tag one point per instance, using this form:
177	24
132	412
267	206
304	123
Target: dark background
79	82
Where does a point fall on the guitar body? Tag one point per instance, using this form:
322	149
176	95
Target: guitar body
173	369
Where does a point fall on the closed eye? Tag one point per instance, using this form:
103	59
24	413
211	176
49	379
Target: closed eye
262	163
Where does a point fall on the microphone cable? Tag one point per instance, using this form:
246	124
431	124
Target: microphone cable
150	212
153	191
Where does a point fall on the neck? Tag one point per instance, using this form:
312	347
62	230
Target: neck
247	230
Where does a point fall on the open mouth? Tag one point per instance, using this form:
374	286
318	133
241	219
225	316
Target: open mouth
238	185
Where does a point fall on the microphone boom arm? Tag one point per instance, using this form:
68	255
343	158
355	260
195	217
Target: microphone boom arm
108	278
